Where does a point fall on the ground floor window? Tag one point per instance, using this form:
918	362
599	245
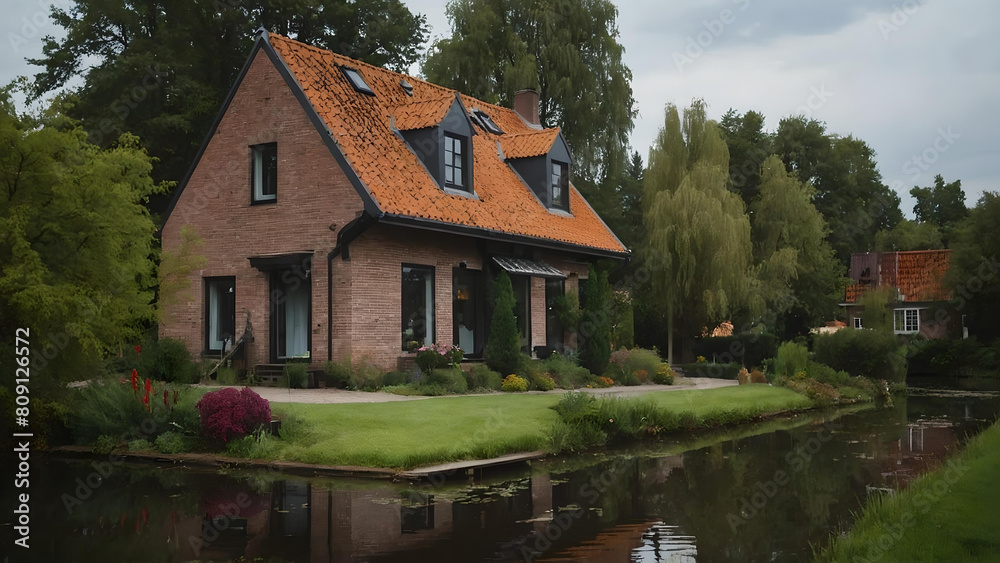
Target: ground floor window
290	304
220	313
857	323
417	311
906	320
554	289
467	310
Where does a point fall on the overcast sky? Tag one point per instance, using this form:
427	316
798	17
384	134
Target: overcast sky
918	81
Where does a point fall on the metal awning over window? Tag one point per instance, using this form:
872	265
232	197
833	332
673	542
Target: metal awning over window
525	267
281	261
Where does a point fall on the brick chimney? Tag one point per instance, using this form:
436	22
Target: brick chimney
526	105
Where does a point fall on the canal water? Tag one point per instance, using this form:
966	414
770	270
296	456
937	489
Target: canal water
768	492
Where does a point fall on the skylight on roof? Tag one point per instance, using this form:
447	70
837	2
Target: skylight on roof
356	80
407	87
486	122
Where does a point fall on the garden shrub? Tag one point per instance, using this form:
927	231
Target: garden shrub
565	371
105	444
230	413
338	374
367	376
664	375
640	359
451	379
743	376
296	374
826	374
225	376
757	376
482	377
514	384
705	369
111	407
865	353
602	382
503	348
542	382
823	394
438	356
171	442
747	348
165	359
140	445
791	359
394	378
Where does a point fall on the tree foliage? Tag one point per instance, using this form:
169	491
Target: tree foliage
909	235
942	204
595	325
699	247
567	50
503	348
849	189
749	146
975	268
795	268
76	241
161	70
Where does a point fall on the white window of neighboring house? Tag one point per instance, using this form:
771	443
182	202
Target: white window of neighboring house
264	172
857	323
906	320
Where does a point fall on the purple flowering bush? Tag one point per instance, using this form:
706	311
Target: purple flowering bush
230	413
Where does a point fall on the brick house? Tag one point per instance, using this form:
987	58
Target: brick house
919	300
351	211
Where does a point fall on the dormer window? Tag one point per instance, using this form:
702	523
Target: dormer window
486	122
560	184
356	80
454	162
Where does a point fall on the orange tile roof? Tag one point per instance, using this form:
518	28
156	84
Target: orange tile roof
395	177
524	145
917	275
425	113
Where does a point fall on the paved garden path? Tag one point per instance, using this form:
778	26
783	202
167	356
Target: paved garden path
339	396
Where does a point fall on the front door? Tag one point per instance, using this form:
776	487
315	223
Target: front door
290	314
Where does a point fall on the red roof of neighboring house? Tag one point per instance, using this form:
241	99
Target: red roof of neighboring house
917	275
362	126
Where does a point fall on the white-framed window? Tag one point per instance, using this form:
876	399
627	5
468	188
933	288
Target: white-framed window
857	323
264	172
906	321
454	162
560	184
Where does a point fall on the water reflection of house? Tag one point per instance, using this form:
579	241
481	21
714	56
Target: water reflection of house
925	446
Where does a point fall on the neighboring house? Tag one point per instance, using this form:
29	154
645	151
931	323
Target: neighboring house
919	300
350	211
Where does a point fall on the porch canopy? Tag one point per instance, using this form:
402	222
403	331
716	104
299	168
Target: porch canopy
525	267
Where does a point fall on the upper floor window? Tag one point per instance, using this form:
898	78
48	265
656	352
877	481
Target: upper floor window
454	162
264	172
356	80
560	184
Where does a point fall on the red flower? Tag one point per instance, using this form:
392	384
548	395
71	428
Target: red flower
138	349
145	398
135	380
165	403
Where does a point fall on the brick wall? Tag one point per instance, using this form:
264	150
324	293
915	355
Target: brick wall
312	194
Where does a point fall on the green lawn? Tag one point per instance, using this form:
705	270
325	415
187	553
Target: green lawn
408	434
948	515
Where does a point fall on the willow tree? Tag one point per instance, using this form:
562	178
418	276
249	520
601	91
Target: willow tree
699	248
795	267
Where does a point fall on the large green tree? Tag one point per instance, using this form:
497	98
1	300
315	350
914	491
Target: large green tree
909	235
568	51
849	189
749	146
699	249
161	69
76	242
797	273
975	267
942	204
